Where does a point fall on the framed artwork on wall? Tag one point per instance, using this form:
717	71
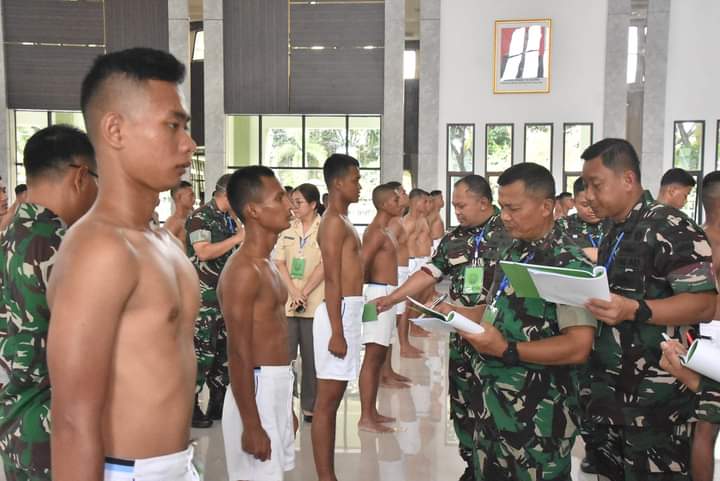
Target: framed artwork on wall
521	61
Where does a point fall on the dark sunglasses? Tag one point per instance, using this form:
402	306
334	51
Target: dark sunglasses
92	174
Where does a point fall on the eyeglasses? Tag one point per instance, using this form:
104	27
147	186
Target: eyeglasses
92	174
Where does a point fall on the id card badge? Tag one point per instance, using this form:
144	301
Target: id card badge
490	314
370	313
473	283
297	270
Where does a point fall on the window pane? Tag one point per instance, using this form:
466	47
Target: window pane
632	58
364	142
461	148
364	211
243	140
691	204
295	177
197	175
499	147
20	177
688	145
27	122
68	118
324	136
199	47
493	181
410	64
164	207
538	144
451	214
577	138
569	181
282	141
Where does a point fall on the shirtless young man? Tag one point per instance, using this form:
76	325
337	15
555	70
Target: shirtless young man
124	297
702	456
437	227
184	199
337	324
258	420
420	248
379	253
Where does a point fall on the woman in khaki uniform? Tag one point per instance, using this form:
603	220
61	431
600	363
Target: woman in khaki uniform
298	259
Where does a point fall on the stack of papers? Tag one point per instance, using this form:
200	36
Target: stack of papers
560	285
702	357
437	321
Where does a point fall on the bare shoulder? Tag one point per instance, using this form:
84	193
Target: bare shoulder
239	271
332	227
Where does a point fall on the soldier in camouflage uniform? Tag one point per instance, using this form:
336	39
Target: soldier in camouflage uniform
211	238
477	242
527	399
660	276
27	254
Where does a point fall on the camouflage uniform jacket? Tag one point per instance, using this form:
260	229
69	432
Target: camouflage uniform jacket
456	251
27	253
708	401
208	224
542	399
583	233
661	253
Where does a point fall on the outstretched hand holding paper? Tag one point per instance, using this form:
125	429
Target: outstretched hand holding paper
436	320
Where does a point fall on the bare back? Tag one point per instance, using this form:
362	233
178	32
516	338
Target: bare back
270	327
419	240
337	235
380	255
437	228
396	227
124	304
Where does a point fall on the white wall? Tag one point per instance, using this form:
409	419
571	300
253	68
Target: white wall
693	74
577	72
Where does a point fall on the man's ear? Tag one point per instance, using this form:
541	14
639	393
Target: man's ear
111	129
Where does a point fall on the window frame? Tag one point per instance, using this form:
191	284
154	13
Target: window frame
572	173
697	174
552	140
449	174
494	173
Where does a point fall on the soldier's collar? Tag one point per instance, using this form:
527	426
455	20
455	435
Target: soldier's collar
636	213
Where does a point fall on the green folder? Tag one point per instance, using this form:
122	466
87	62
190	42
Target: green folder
519	277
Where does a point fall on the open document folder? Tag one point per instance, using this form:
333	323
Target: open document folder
702	357
561	285
437	321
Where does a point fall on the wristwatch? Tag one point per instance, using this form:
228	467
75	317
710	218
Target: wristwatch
510	356
643	313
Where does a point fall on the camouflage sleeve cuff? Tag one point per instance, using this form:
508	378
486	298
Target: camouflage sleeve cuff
433	270
697	277
571	316
708	397
200	235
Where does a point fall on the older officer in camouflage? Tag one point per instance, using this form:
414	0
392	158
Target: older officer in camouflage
60	165
211	238
527	404
471	248
660	273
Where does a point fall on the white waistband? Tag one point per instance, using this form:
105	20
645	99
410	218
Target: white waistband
273	371
179	459
353	300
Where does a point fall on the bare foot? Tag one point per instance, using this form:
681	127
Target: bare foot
373	427
383	419
392	383
399	377
417	331
410	351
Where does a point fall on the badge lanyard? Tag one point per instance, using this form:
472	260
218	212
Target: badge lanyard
614	250
595	243
506	282
479	239
230	224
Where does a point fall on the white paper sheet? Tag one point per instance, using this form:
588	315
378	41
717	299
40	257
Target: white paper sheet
702	357
569	290
454	322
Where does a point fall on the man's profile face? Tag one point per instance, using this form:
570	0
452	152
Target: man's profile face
678	195
438	202
274	207
524	212
584	210
606	190
186	198
158	146
403	197
392	205
469	207
349	185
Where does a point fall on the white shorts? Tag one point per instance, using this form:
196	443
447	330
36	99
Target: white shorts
273	397
402	277
380	331
416	263
327	366
409	437
171	467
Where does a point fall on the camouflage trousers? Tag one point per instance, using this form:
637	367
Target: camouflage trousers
25	445
650	453
518	456
211	349
460	384
586	424
16	473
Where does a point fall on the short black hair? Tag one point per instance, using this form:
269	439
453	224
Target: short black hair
564	195
183	184
677	176
417	193
394	184
289	189
477	184
537	178
310	193
244	186
52	149
711	188
380	193
435	193
338	165
616	154
20	188
578	186
139	64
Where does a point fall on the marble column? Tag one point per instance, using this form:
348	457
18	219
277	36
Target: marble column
429	161
214	94
179	39
656	55
392	143
616	48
